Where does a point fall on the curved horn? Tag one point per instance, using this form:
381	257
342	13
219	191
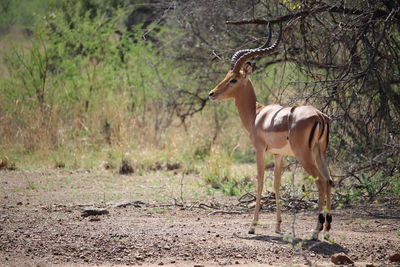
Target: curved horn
255	52
239	53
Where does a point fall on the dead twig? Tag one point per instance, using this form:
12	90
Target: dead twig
224	212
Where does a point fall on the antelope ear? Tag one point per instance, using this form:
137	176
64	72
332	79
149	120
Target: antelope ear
247	69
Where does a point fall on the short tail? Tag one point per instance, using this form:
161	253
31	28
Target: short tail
324	133
323	130
319	137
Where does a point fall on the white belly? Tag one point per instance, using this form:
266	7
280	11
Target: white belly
284	151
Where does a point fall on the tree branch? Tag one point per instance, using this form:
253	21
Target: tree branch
378	13
296	60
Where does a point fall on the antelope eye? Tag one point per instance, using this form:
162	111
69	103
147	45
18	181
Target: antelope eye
233	81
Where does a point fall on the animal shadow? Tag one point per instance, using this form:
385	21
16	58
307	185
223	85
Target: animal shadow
322	247
316	246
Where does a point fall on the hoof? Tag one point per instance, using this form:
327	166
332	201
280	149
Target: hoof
252	231
314	235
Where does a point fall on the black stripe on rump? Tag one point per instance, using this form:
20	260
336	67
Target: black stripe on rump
327	135
323	126
312	133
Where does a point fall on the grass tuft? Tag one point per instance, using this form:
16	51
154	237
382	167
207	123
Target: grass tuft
126	167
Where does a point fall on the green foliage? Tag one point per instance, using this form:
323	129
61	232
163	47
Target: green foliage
28	70
217	173
244	155
217	170
85	76
33	186
23	12
370	188
292	4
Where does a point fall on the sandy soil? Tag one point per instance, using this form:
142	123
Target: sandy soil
41	224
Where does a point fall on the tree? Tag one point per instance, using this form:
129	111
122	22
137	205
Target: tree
347	52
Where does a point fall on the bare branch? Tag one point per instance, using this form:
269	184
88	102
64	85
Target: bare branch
304	13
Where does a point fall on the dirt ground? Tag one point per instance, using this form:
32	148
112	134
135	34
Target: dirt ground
41	224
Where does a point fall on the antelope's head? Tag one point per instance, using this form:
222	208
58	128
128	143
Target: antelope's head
237	76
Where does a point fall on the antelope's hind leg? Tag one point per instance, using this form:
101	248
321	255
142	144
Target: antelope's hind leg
328	206
321	184
307	163
325	185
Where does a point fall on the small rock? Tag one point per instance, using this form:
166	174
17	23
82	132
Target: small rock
173	166
312	255
198	265
41	264
239	256
59	165
369	265
341	258
161	263
395	257
19	203
251	205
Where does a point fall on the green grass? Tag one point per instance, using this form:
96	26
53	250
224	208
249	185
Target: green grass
33	186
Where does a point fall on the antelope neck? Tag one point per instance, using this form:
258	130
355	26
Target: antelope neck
245	102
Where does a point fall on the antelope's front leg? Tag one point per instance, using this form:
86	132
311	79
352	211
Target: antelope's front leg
277	185
260	186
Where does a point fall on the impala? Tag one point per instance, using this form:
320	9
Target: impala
300	131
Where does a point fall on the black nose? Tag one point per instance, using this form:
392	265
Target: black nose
211	94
